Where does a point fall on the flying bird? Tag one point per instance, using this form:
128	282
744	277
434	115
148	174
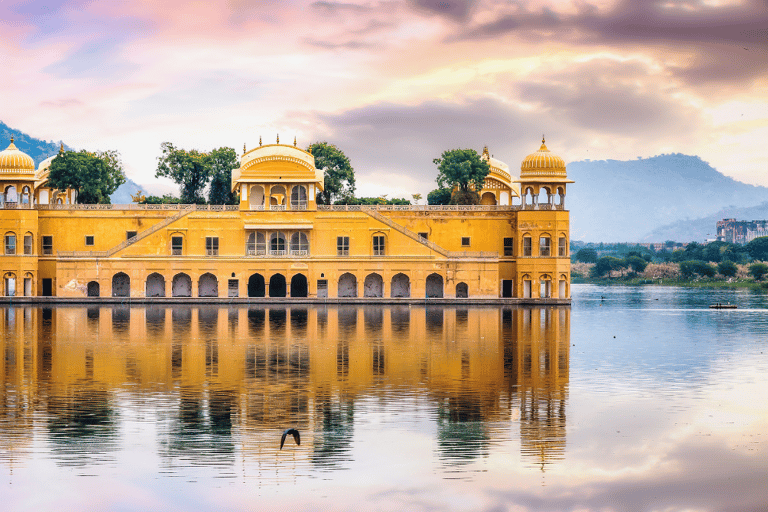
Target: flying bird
294	433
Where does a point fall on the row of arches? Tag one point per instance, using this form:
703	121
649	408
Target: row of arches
11	195
347	286
276	196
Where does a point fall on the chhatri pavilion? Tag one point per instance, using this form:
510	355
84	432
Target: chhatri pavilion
278	242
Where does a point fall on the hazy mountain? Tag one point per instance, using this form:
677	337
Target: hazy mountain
38	149
123	193
626	201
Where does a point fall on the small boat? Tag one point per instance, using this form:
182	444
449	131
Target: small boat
720	305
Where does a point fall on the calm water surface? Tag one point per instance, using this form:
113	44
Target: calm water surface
633	399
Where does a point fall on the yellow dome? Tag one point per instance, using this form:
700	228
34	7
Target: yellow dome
15	162
542	165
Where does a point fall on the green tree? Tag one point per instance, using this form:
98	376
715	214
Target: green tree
758	270
636	263
464	171
758	248
691	268
338	173
439	196
189	169
727	268
606	264
587	255
94	175
166	199
222	162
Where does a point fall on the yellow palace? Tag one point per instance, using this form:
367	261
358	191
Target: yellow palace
277	242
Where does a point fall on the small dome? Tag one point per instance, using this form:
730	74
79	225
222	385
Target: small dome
542	164
13	161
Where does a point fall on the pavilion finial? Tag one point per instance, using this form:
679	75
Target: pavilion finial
259	140
542	138
485	151
278	138
11	139
61	148
243	147
294	141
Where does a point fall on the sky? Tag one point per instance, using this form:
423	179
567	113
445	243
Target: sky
394	83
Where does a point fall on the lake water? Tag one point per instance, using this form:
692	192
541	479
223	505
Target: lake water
632	399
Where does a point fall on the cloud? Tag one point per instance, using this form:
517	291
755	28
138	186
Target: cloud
457	10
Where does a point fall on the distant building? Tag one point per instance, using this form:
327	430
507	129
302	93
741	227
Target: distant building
741	231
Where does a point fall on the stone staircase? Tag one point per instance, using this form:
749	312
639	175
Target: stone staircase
407	232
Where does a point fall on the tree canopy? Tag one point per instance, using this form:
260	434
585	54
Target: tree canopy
758	248
192	170
94	175
339	176
464	170
222	162
439	196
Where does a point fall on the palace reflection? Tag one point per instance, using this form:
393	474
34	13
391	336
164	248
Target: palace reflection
224	380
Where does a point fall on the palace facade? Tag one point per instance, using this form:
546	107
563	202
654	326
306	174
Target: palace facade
277	242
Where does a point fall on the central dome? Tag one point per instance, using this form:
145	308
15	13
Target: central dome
542	164
14	161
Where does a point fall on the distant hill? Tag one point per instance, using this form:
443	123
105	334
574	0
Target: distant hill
38	149
627	201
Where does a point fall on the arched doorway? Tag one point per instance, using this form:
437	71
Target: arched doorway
93	289
347	285
400	286
256	197
488	199
434	286
181	285
373	286
462	291
256	286
208	285
277	285
121	285
299	286
155	285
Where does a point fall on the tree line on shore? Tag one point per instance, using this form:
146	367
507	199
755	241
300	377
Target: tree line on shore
205	177
694	261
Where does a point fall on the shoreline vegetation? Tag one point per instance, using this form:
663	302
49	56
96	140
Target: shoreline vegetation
666	274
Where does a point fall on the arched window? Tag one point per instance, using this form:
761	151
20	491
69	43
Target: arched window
10	195
10	243
277	243
545	246
256	286
25	195
462	291
299	197
379	244
177	244
93	289
562	246
299	244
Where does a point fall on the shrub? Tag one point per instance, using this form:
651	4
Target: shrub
758	270
727	268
